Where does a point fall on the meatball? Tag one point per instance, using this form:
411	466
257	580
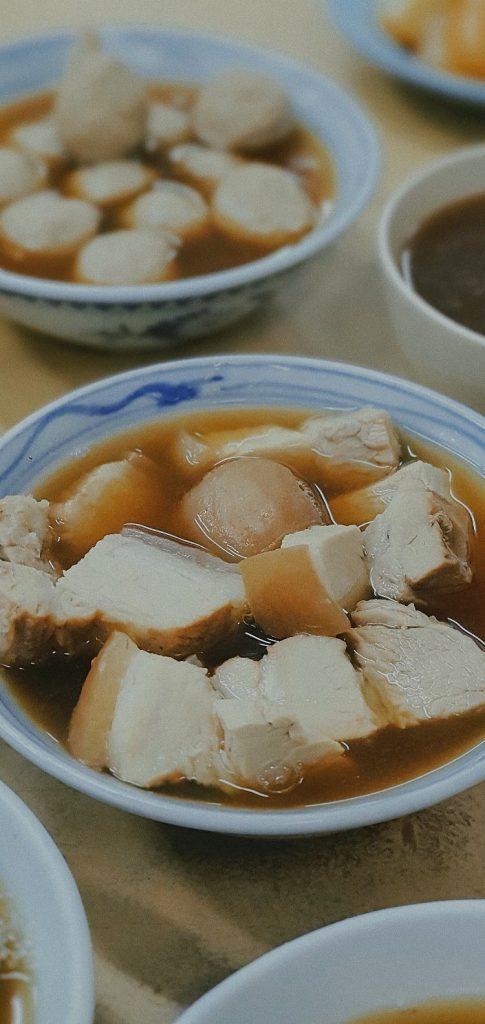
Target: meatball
242	110
169	207
20	174
46	224
262	205
246	506
102	106
126	257
111	182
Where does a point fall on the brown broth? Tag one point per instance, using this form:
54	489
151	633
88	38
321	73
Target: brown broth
301	153
459	1011
50	692
445	261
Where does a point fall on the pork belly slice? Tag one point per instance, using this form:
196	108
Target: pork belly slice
107	497
419	545
92	717
27	614
360	444
25	534
308	583
415	668
364	504
265	747
166	603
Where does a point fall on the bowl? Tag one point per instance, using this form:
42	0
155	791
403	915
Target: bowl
47	910
60	431
391	959
445	353
358	21
150	316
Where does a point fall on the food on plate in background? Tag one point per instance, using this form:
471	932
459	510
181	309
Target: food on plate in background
448	34
453	1011
224	168
15	979
183	606
444	261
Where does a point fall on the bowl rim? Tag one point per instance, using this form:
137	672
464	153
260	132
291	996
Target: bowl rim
205	284
308	820
79	971
391	210
321	940
385	53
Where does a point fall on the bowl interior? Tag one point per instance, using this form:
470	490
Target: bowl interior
68	427
390	959
48	911
37	63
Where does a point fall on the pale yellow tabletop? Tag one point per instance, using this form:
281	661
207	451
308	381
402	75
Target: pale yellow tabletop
173	912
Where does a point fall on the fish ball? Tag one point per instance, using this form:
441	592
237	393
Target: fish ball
242	110
102	106
20	174
47	224
262	205
246	506
169	207
202	167
167	126
126	257
110	183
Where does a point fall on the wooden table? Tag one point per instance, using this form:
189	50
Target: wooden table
173	912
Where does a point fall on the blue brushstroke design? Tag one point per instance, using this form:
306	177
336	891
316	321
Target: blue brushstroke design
164	395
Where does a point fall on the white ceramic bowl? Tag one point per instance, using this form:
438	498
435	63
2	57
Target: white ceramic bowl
46	907
67	427
151	316
446	354
392	959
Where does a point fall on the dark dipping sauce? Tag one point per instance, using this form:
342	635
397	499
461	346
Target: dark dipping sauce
459	1011
445	261
49	693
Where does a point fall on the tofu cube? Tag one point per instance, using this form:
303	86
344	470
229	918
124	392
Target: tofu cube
337	554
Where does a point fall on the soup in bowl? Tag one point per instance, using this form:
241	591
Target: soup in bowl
250	619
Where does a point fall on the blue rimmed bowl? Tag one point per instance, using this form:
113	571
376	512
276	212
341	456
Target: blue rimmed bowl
358	21
59	432
151	316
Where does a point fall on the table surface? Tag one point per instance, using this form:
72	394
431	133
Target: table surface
173	912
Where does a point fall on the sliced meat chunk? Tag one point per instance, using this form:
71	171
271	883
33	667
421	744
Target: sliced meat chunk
167	126
201	167
351	447
110	183
164	728
248	505
92	717
20	174
244	110
264	747
101	106
237	677
127	257
355	445
169	208
415	668
312	680
364	504
419	545
104	499
27	614
262	205
167	604
25	533
46	226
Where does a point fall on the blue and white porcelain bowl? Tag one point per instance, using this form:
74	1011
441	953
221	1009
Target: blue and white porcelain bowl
152	316
69	426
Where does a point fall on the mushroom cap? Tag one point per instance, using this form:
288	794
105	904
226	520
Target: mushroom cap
171	207
47	223
262	205
110	182
126	257
20	174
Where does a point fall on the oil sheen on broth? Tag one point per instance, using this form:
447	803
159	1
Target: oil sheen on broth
301	153
15	982
50	692
467	1011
